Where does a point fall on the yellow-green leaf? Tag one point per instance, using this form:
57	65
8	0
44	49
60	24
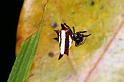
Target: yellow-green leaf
39	63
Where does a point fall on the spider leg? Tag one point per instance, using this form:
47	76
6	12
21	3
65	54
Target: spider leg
71	32
66	25
69	27
57	39
86	35
63	27
73	29
82	31
57	32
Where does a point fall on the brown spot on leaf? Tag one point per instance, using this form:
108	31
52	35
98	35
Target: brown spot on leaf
92	3
50	54
54	24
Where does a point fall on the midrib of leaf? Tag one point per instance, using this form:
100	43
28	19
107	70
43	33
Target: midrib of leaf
24	60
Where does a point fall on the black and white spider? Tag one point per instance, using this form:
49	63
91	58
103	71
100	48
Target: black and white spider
65	37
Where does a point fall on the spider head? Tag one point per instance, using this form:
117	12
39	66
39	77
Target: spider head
79	38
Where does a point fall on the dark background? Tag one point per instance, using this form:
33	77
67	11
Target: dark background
9	15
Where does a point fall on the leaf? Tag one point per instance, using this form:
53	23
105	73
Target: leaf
102	18
24	60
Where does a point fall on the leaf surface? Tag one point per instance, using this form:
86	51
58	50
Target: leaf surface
102	18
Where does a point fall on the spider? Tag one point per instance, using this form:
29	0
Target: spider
65	37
